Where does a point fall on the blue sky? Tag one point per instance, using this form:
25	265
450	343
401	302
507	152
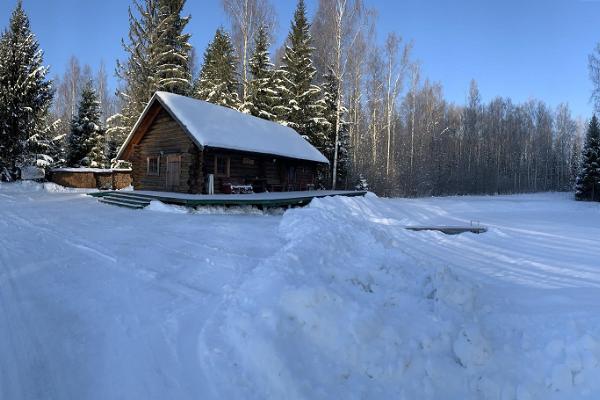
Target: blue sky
518	49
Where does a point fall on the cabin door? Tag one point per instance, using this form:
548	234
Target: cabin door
173	172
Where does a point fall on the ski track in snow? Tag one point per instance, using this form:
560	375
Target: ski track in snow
336	300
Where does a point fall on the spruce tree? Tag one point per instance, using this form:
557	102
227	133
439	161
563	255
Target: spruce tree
136	74
588	180
261	91
299	105
332	114
87	138
218	82
25	93
47	148
158	56
170	49
362	183
115	137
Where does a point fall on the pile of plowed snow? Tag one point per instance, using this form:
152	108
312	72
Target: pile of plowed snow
342	312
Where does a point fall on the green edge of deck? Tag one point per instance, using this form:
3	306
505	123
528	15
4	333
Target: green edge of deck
294	201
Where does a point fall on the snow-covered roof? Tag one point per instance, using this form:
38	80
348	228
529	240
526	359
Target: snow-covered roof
211	125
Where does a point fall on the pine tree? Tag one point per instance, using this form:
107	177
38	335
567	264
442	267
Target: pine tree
115	137
362	183
261	92
299	104
136	73
158	56
87	139
588	180
25	93
218	82
170	50
47	148
330	91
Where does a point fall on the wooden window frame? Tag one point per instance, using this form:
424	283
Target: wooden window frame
228	168
153	173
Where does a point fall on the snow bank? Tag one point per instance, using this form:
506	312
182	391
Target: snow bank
343	312
339	312
158	206
55	188
32	186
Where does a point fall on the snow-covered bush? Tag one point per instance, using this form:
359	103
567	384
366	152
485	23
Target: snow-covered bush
362	183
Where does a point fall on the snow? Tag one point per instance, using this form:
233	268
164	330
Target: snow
157	206
221	127
96	170
335	300
30	172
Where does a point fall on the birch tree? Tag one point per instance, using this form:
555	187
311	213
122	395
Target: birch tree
246	17
337	27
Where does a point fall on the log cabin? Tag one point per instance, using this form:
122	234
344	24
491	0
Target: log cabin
184	145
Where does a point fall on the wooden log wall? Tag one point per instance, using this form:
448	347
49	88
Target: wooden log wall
244	168
166	137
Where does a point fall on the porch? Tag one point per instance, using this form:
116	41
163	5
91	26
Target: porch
140	199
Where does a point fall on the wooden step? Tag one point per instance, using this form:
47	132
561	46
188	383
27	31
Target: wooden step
129	200
119	203
126	195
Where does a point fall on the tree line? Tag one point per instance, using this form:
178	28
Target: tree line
359	99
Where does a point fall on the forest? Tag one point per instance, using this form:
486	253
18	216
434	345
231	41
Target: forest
357	94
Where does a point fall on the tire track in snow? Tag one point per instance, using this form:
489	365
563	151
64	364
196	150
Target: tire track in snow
24	338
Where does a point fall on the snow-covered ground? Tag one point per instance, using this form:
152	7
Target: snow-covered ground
335	300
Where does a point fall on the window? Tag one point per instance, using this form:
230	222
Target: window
222	166
247	161
153	166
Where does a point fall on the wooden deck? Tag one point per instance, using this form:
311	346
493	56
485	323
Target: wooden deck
449	230
262	200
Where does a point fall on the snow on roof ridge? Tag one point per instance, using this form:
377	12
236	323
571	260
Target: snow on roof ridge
205	123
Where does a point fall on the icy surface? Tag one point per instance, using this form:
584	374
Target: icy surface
331	301
221	127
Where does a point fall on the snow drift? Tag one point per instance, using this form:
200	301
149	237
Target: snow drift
341	311
335	300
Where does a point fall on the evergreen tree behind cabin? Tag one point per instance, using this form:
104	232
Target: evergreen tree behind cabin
136	74
47	148
158	56
25	93
299	104
218	82
588	180
115	137
261	96
87	139
170	50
